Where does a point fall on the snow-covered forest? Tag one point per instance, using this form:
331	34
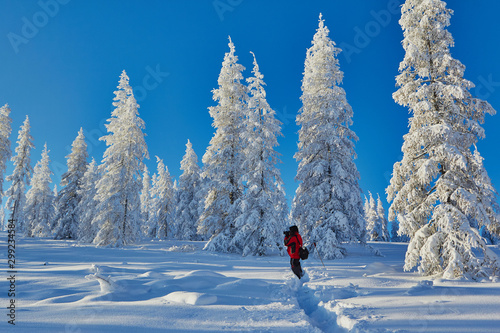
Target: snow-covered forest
441	198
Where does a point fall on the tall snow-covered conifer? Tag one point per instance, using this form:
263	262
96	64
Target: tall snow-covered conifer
327	206
162	203
438	190
263	205
68	198
223	159
5	152
87	227
118	190
39	208
20	177
189	202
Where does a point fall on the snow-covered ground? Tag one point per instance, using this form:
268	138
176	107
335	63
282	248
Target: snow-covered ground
172	286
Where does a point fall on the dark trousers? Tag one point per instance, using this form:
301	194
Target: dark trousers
296	269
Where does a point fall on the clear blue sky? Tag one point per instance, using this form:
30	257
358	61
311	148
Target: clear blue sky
60	65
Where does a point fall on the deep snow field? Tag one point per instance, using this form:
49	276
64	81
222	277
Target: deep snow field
172	286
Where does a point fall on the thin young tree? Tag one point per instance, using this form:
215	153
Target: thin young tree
263	208
327	206
39	208
145	199
5	152
69	197
384	231
87	228
438	188
189	202
3	217
372	218
118	190
224	157
376	223
20	177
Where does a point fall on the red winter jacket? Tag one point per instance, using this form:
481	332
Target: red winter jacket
294	242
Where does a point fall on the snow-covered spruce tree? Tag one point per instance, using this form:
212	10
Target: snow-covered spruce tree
263	208
145	200
118	190
68	198
384	231
39	208
5	152
223	159
327	206
189	203
86	209
371	218
438	188
20	177
162	203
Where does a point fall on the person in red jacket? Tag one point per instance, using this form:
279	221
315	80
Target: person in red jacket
293	242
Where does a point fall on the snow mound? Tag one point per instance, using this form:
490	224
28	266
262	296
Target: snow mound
345	292
107	285
183	248
191	298
421	287
200	280
151	274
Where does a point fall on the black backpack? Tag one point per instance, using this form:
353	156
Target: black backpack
303	253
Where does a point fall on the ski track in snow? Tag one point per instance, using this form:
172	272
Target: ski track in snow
173	286
321	318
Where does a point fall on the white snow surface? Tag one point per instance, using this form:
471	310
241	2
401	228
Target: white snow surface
174	286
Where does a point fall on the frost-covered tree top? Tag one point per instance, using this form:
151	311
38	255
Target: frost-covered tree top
327	204
76	160
189	165
41	180
126	138
436	188
5	152
223	156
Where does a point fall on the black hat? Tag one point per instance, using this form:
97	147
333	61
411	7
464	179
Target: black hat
294	229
